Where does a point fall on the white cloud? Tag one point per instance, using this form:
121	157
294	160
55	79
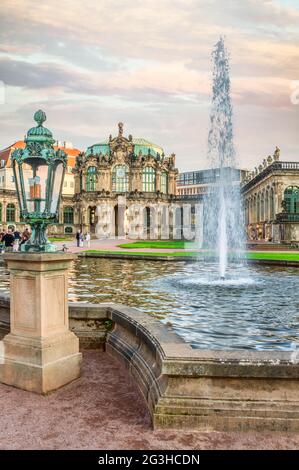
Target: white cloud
147	62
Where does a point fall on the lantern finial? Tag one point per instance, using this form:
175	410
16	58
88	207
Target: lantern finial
40	117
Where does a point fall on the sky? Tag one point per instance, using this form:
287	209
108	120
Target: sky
90	64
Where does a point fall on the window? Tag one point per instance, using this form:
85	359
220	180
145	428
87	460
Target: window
148	179
10	213
164	182
0	211
120	179
271	204
291	200
12	179
68	215
91	178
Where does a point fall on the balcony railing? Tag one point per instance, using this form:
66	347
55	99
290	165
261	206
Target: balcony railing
287	217
275	166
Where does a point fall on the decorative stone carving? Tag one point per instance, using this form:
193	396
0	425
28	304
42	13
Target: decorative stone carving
276	154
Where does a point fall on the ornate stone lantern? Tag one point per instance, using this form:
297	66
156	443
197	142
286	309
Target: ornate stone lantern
39	173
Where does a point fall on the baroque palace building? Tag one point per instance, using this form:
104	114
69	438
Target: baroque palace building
123	185
126	186
271	201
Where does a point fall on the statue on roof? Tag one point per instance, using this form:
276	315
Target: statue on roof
276	154
120	129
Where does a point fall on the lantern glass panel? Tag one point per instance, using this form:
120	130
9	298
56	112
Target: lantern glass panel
58	172
17	170
35	184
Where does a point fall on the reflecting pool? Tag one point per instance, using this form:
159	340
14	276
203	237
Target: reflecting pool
257	310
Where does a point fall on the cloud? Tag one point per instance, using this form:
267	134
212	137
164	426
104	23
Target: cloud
147	62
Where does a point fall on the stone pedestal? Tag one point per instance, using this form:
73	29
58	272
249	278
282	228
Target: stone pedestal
40	354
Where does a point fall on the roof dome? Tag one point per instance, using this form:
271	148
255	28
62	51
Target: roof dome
140	145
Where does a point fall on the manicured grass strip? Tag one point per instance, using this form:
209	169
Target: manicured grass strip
60	239
277	256
144	253
160	244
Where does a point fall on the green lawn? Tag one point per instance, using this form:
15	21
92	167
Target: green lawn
160	244
249	255
60	239
273	256
146	253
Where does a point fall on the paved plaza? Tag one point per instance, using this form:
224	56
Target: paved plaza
104	410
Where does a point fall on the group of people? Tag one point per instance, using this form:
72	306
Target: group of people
11	241
81	238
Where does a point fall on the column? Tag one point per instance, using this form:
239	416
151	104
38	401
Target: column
158	180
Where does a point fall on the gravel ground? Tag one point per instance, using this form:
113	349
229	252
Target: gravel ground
104	410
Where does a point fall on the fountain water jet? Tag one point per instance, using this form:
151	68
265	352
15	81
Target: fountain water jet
223	222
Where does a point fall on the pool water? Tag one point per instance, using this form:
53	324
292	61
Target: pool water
254	308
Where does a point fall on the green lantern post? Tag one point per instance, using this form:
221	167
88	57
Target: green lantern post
40	353
39	173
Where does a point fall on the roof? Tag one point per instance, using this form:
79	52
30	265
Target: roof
140	144
6	153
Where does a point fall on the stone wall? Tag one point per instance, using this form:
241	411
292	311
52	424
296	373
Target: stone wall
188	388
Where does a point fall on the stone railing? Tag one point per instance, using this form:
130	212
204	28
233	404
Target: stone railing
274	167
287	217
188	388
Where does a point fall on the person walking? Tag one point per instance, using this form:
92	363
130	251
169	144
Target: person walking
78	238
25	236
8	240
17	235
87	239
81	240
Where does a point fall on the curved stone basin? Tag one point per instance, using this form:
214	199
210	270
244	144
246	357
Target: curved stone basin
188	388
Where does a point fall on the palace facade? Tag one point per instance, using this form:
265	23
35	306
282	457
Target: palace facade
271	201
127	186
123	185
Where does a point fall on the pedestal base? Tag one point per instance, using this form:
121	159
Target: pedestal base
39	354
40	366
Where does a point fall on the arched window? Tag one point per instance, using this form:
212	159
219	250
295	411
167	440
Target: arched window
120	179
68	215
149	179
91	178
271	204
246	212
164	182
262	215
258	208
10	213
291	200
266	205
